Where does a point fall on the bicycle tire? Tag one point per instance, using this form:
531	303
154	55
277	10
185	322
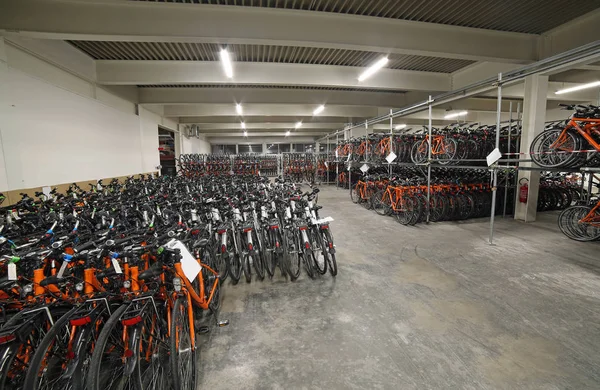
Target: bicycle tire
182	356
85	334
320	260
246	257
292	255
258	257
331	260
111	333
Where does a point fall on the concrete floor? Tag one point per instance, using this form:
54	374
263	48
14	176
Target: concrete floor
425	307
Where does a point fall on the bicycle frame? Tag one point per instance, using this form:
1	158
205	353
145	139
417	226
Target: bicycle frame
584	132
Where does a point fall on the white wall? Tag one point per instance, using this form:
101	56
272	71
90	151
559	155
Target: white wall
194	145
52	134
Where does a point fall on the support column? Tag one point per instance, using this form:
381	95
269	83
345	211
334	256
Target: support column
2	50
534	116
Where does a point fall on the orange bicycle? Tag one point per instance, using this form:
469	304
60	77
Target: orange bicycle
565	146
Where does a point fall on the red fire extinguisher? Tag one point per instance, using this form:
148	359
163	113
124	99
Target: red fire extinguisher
523	190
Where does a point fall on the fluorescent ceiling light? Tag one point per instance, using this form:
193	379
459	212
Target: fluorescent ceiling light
243	125
298	124
372	69
226	60
245	133
318	110
287	133
579	87
398	127
456	115
238	109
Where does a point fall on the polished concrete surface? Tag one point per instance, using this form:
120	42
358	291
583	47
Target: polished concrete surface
424	307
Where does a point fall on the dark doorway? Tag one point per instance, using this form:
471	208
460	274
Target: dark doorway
166	148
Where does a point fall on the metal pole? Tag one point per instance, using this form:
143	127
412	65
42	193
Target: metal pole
495	170
429	164
391	140
366	142
518	149
337	165
507	151
350	163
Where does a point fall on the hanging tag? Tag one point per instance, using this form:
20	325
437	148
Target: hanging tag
364	168
391	157
116	265
12	271
326	164
194	215
493	157
189	264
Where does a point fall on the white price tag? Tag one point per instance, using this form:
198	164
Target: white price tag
391	157
364	168
189	265
322	220
116	266
12	271
326	164
493	157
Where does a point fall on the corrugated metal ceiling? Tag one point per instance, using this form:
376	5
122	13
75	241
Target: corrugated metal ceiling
270	86
261	53
526	16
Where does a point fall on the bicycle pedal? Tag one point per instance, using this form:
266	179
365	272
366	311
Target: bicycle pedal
222	323
203	330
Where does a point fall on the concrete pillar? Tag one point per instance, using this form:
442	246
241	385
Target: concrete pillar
534	116
2	51
264	147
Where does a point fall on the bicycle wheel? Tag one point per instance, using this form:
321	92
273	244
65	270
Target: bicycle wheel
55	364
419	152
291	254
246	259
221	264
331	261
551	149
355	194
258	258
27	329
269	256
404	214
569	222
381	203
234	257
107	370
183	354
319	250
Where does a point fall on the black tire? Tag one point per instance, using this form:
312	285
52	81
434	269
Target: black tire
319	250
543	154
53	352
292	257
355	195
234	258
258	257
183	356
381	203
108	352
331	260
269	252
246	257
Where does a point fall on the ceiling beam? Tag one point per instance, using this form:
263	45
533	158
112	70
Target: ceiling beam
209	72
251	110
267	119
269	95
577	32
261	126
150	21
267	133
